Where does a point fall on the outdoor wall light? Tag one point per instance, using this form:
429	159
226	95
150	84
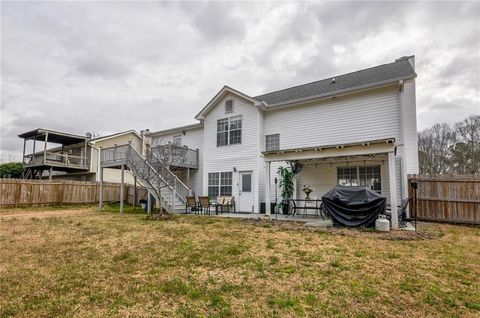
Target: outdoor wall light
234	169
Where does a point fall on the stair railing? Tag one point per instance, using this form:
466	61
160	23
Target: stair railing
181	190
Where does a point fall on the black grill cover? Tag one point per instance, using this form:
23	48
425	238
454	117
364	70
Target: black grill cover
353	206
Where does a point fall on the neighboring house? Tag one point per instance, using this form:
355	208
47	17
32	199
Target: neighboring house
353	129
65	156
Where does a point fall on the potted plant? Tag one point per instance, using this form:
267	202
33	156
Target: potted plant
286	184
307	190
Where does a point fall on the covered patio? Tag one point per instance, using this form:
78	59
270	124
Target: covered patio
370	163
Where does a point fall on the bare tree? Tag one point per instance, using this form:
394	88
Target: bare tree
466	147
446	150
433	148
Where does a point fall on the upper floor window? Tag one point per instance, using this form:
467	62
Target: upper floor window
272	142
229	106
367	176
229	131
177	140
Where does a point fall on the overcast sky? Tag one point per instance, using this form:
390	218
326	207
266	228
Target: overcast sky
112	66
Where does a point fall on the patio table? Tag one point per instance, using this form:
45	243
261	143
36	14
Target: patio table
306	204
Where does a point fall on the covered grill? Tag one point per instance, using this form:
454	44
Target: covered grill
353	206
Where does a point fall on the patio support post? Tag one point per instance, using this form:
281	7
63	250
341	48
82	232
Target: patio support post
122	188
393	189
24	145
100	195
45	149
149	202
33	153
135	194
50	173
84	159
267	189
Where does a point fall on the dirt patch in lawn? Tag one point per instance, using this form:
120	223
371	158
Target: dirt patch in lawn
397	235
46	212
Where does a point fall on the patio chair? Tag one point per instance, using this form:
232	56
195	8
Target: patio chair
192	204
226	201
204	205
402	213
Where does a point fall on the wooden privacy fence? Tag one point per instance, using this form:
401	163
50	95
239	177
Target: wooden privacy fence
17	192
447	199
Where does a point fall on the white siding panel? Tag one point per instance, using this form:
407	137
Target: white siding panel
244	156
361	117
410	126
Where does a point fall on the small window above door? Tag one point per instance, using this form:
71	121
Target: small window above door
229	106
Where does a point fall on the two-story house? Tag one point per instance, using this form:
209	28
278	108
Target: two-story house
352	129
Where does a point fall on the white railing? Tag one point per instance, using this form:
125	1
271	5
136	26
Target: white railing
180	156
57	158
152	171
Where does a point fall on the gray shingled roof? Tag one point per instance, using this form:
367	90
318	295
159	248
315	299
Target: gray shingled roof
400	69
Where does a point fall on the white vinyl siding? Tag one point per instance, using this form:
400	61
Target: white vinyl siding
244	156
410	126
364	116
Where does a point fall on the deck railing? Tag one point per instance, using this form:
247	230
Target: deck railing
56	159
179	156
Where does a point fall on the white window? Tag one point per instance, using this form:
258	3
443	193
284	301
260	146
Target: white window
368	176
272	142
229	131
219	183
229	106
177	140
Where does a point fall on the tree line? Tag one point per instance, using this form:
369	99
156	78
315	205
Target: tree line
445	149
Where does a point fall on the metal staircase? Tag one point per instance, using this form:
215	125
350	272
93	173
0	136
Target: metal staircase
152	173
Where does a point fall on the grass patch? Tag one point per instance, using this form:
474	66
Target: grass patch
80	262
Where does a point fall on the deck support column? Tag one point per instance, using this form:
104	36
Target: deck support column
45	149
100	195
24	145
50	173
122	188
149	202
268	211
392	175
134	191
33	153
84	159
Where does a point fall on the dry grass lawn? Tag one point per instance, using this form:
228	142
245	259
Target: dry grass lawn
82	263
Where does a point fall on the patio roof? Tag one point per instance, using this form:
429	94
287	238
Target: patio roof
53	136
334	150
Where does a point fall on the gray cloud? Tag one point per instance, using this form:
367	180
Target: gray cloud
101	66
111	66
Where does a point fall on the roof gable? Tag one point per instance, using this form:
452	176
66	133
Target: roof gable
102	138
221	94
